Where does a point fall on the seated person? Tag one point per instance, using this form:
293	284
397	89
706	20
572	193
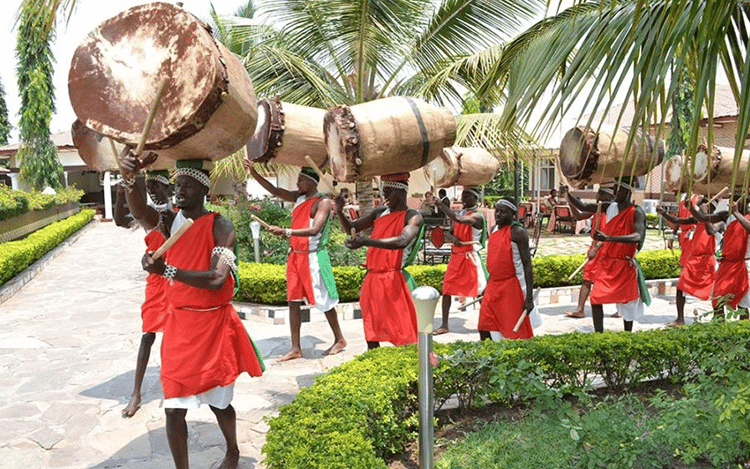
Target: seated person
428	209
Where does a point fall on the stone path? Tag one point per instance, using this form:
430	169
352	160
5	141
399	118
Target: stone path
68	343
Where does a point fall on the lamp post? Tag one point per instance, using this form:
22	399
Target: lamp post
425	300
255	229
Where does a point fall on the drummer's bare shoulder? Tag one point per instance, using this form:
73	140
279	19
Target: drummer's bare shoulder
519	235
224	233
413	217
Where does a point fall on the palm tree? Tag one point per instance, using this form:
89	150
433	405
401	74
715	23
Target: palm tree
603	52
324	54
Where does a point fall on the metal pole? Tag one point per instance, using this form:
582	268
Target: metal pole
426	430
256	247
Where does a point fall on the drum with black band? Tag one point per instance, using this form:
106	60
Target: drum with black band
385	136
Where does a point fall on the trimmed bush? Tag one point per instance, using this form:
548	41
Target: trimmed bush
266	283
14	202
372	400
17	255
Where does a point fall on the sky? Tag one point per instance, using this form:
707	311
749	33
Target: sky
87	15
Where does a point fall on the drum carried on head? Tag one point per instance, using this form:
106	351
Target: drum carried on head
717	167
462	166
208	109
100	153
587	157
385	136
286	133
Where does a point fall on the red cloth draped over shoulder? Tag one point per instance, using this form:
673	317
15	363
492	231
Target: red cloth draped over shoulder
589	270
202	349
616	278
731	277
461	274
388	312
699	268
685	230
301	220
503	300
154	307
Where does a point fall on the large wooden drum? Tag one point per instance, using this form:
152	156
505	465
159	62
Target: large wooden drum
677	179
208	109
385	136
286	133
466	167
97	151
717	167
587	157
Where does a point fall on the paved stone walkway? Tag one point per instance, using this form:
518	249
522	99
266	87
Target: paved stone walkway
68	343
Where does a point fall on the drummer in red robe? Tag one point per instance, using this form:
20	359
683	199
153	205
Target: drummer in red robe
583	211
154	308
466	274
510	287
309	275
698	245
388	312
731	280
205	346
617	275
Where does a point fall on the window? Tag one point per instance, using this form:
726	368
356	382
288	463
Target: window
547	174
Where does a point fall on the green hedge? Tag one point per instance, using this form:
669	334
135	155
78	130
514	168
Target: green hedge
14	202
366	409
17	255
266	283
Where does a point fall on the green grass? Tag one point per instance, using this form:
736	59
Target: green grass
531	442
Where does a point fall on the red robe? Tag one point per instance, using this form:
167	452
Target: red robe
299	281
503	301
589	270
685	230
616	276
699	267
388	312
205	344
464	265
154	307
731	277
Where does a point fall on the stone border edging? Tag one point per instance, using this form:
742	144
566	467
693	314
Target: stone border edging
15	284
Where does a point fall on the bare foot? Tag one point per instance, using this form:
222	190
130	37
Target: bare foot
291	355
335	348
675	323
231	461
132	407
575	314
615	315
441	330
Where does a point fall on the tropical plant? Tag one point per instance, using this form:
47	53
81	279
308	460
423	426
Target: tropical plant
606	52
5	125
39	164
324	54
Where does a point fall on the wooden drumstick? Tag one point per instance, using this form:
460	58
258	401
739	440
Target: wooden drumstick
265	225
329	187
570	277
722	193
151	115
114	149
353	233
172	239
525	313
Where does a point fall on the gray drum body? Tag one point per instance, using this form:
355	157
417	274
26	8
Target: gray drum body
208	109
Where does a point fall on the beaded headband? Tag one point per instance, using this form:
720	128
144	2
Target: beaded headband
196	174
396	185
471	191
157	178
508	204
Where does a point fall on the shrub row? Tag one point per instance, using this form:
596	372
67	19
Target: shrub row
366	409
266	283
14	202
17	255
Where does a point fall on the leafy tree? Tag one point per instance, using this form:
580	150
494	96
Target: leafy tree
5	126
324	54
604	52
39	165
